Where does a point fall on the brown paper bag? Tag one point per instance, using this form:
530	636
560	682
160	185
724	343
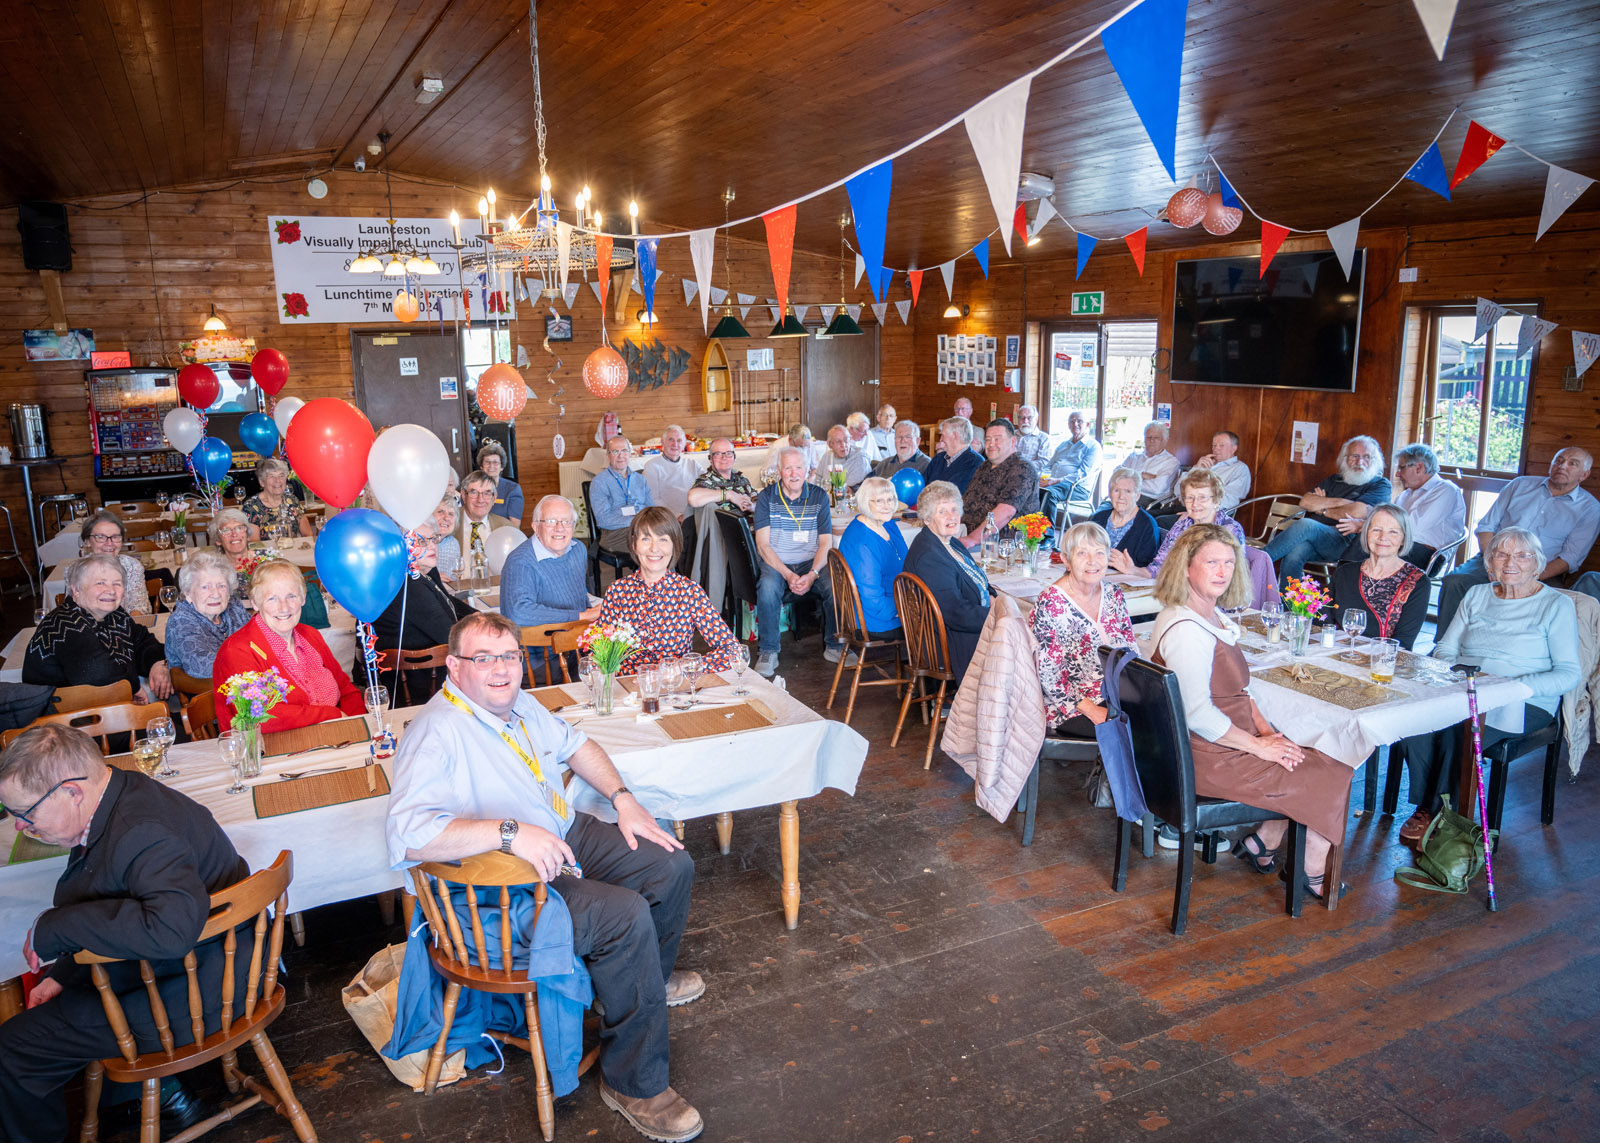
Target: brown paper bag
369	999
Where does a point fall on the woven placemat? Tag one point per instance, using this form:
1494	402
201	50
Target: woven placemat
340	732
275	798
715	720
27	848
1331	686
553	698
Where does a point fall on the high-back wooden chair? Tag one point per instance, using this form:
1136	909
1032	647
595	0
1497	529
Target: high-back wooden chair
554	642
98	722
126	508
619	562
463	957
1283	509
186	684
927	654
144	529
69	699
152	588
200	716
259	896
850	625
430	659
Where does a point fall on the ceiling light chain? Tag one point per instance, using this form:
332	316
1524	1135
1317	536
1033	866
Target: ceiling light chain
538	94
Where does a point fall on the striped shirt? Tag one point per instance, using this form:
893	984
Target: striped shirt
794	524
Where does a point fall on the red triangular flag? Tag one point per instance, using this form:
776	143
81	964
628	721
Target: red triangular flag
916	284
1479	145
602	260
1135	243
1272	236
1019	221
780	248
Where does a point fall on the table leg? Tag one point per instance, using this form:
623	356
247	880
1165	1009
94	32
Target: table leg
12	1001
724	832
789	848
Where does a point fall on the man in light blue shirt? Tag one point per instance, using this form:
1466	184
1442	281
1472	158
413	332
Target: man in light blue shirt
1073	468
479	769
1033	445
1555	508
616	495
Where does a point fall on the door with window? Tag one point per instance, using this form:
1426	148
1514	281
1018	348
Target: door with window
413	378
1104	371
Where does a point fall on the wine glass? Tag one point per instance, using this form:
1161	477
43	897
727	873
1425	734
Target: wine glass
169	596
1271	616
593	678
377	700
740	663
147	756
163	539
162	500
671	677
692	666
162	732
231	742
38	616
1354	622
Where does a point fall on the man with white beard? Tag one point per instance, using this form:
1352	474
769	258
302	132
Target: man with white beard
1350	493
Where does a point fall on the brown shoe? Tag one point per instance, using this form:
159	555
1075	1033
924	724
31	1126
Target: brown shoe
667	1117
1415	826
684	986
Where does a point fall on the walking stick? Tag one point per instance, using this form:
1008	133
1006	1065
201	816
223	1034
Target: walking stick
1477	760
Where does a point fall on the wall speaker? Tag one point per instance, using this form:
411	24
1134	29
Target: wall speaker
45	242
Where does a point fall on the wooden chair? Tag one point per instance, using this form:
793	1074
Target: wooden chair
70	699
468	966
256	896
186	684
98	722
144	529
850	625
430	659
152	588
200	717
133	507
619	562
927	654
555	641
1283	509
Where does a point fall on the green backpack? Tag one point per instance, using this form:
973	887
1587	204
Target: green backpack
1449	855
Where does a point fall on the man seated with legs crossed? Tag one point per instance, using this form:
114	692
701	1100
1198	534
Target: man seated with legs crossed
478	770
1354	489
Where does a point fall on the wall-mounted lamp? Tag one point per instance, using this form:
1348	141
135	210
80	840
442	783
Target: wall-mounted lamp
646	317
955	311
215	324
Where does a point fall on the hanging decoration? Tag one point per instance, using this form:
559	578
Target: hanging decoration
981	253
1489	315
994	128
1086	245
284	412
1561	189
1230	197
502	392
1272	236
1145	47
1187	206
869	210
947	271
1428	171
780	250
1531	332
1343	240
645	251
1220	218
408	469
258	434
1585	350
1136	242
904	306
915	278
879	309
405	307
605	373
1437	16
183	428
198	386
1476	150
327	445
270	370
702	251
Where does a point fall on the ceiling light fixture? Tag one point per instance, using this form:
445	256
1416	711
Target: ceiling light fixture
401	260
790	326
728	325
214	324
842	325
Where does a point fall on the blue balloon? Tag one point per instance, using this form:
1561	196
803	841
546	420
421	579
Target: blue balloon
362	560
907	485
258	434
212	459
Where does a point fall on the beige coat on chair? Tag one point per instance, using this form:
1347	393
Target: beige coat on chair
1578	705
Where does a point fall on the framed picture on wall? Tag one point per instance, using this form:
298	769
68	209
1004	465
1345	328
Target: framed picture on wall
972	376
1013	350
944	343
989	344
950	377
558	327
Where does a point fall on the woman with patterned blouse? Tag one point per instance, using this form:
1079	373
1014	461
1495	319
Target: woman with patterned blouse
1201	492
1393	593
274	513
1072	619
663	606
230	533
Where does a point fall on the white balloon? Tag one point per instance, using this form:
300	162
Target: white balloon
409	470
284	412
499	544
183	429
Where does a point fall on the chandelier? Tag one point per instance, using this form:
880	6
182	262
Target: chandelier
398	259
535	248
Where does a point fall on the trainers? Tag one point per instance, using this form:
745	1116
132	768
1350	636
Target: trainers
767	664
667	1117
684	986
832	654
1167	838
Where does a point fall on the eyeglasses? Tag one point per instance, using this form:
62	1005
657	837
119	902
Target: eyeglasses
26	816
722	452
109	537
484	659
232	530
568	525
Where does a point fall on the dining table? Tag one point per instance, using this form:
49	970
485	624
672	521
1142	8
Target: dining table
1017	582
300	551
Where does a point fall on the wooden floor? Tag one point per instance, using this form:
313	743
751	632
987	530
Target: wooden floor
947	984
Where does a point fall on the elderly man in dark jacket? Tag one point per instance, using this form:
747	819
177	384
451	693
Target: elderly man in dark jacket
144	862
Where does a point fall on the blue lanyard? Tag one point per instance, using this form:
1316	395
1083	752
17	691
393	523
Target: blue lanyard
622	480
971	568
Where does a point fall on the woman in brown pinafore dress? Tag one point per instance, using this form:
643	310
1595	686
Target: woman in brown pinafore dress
1242	758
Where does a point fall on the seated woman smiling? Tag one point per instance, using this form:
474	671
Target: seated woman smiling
319	688
206	615
1072	619
91	641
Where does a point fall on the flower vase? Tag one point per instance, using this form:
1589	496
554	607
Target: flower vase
605	697
1031	558
1299	630
250	765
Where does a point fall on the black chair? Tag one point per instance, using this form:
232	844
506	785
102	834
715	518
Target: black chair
1056	748
619	562
1166	771
744	569
1500	756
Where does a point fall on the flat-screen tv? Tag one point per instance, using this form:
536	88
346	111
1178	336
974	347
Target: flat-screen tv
1296	327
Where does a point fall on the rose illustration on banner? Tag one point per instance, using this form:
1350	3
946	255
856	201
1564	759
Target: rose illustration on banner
288	231
294	305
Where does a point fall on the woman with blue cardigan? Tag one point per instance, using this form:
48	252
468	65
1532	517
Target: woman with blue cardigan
947	569
876	552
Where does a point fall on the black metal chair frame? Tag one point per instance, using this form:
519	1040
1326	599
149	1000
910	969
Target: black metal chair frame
619	562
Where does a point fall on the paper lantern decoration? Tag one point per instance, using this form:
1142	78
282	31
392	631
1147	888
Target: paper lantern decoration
405	306
270	368
502	392
199	386
1221	219
605	373
1187	207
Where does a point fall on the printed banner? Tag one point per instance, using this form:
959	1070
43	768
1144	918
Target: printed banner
1561	189
1585	350
1531	332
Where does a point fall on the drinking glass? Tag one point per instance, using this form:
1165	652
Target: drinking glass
741	663
1381	655
169	597
147	756
649	680
162	732
38	616
692	666
671	677
163	539
232	745
1354	622
162	499
377	700
590	673
1271	616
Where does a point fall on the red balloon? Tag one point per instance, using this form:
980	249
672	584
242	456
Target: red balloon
502	392
199	386
270	369
327	446
605	373
1220	219
1187	207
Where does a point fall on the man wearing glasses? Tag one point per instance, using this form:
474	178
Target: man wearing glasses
144	862
722	484
480	769
478	517
543	580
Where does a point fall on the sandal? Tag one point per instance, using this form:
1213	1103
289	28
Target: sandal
1258	857
1314	887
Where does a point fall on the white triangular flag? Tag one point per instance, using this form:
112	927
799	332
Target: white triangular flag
1585	350
595	286
1343	240
535	288
1047	211
878	309
702	251
800	311
861	268
1561	189
773	310
949	272
1437	16
1489	315
995	130
827	314
904	306
718	295
522	356
1531	333
744	305
563	251
690	289
854	312
571	293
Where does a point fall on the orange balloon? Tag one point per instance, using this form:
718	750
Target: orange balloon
406	307
502	392
605	373
1219	219
1187	207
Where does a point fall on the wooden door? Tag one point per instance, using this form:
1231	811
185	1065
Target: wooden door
416	379
839	376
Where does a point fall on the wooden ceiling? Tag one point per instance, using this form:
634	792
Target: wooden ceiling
1313	106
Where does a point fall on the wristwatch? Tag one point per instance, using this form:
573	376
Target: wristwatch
508	834
620	791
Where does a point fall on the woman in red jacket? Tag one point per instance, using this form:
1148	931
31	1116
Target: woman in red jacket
320	689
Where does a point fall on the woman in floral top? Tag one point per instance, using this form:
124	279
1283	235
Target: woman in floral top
273	513
663	606
1072	619
1201	492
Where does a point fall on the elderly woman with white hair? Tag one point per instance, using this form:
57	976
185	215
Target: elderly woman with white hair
1515	627
102	535
1392	592
205	616
947	569
1072	619
230	533
875	551
274	513
444	524
91	641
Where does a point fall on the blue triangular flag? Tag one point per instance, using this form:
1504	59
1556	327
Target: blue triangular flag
1229	196
646	251
1146	48
981	253
1429	172
1085	248
884	276
869	206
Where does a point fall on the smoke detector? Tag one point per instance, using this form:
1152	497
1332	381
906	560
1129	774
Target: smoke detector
1033	186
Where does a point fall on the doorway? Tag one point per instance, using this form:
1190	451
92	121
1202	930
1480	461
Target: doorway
416	379
839	375
1103	370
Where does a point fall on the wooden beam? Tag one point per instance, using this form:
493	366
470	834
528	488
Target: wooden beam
54	302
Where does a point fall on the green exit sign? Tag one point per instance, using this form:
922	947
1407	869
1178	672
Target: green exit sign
1089	304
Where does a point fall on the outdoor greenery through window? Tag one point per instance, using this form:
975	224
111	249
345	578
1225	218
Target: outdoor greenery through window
1478	392
1104	372
478	353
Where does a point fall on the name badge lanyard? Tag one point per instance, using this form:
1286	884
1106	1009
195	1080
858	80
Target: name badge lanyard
531	761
